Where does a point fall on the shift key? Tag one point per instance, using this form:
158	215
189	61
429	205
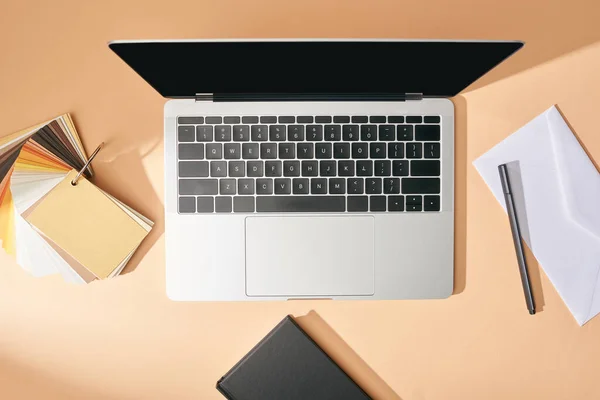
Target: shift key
198	187
420	185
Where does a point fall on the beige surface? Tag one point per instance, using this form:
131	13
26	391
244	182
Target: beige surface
122	338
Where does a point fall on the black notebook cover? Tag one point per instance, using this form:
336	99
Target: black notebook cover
288	365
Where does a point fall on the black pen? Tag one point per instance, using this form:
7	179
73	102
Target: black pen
516	234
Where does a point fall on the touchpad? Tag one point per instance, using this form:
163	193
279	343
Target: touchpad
309	256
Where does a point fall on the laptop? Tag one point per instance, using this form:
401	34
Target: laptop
301	169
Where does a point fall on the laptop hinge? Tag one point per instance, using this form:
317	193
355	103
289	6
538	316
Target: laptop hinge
205	97
278	97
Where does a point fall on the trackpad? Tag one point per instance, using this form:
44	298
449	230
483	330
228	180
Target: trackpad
309	256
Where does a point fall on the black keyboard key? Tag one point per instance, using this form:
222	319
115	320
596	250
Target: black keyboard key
237	169
283	186
358	203
414	199
231	120
250	151
268	120
310	168
412	119
227	186
314	133
300	204
341	119
218	169
429	133
373	186
287	119
360	119
377	203
360	150
258	133
377	150
198	187
414	207
187	204
368	133
337	186
243	204
249	120
383	168
431	203
287	151
333	133
350	133
204	133
214	151
391	186
318	186
387	132
296	133
425	168
341	150
186	134
291	168
404	133
300	186
205	205
400	168
327	168
223	204
346	168
395	150
193	151
305	119
421	185
273	168
364	168
305	150
323	119
214	120
245	186
254	169
232	151
277	133
377	119
414	150
430	150
396	119
432	119
241	133
323	150
356	185
190	120
395	203
268	151
264	186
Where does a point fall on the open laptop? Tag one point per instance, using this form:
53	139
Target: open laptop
302	169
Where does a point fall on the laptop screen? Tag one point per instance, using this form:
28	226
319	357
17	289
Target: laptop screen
181	69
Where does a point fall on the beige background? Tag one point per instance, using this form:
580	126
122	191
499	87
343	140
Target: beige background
122	339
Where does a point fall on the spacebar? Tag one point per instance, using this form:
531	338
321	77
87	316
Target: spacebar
300	203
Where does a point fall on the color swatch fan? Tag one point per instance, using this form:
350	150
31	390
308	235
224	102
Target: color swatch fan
53	220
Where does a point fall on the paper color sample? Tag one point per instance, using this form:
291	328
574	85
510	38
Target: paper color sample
87	225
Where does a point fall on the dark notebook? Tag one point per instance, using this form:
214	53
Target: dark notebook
288	365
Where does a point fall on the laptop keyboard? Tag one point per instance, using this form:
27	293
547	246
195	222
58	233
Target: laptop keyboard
311	164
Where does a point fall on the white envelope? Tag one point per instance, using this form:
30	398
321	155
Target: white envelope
561	192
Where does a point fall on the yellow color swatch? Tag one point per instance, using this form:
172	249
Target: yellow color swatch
87	225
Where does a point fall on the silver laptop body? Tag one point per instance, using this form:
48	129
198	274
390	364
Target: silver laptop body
290	194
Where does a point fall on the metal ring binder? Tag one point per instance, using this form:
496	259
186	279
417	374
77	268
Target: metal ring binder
87	164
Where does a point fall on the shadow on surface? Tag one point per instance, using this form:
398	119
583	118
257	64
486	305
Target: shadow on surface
345	357
460	194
